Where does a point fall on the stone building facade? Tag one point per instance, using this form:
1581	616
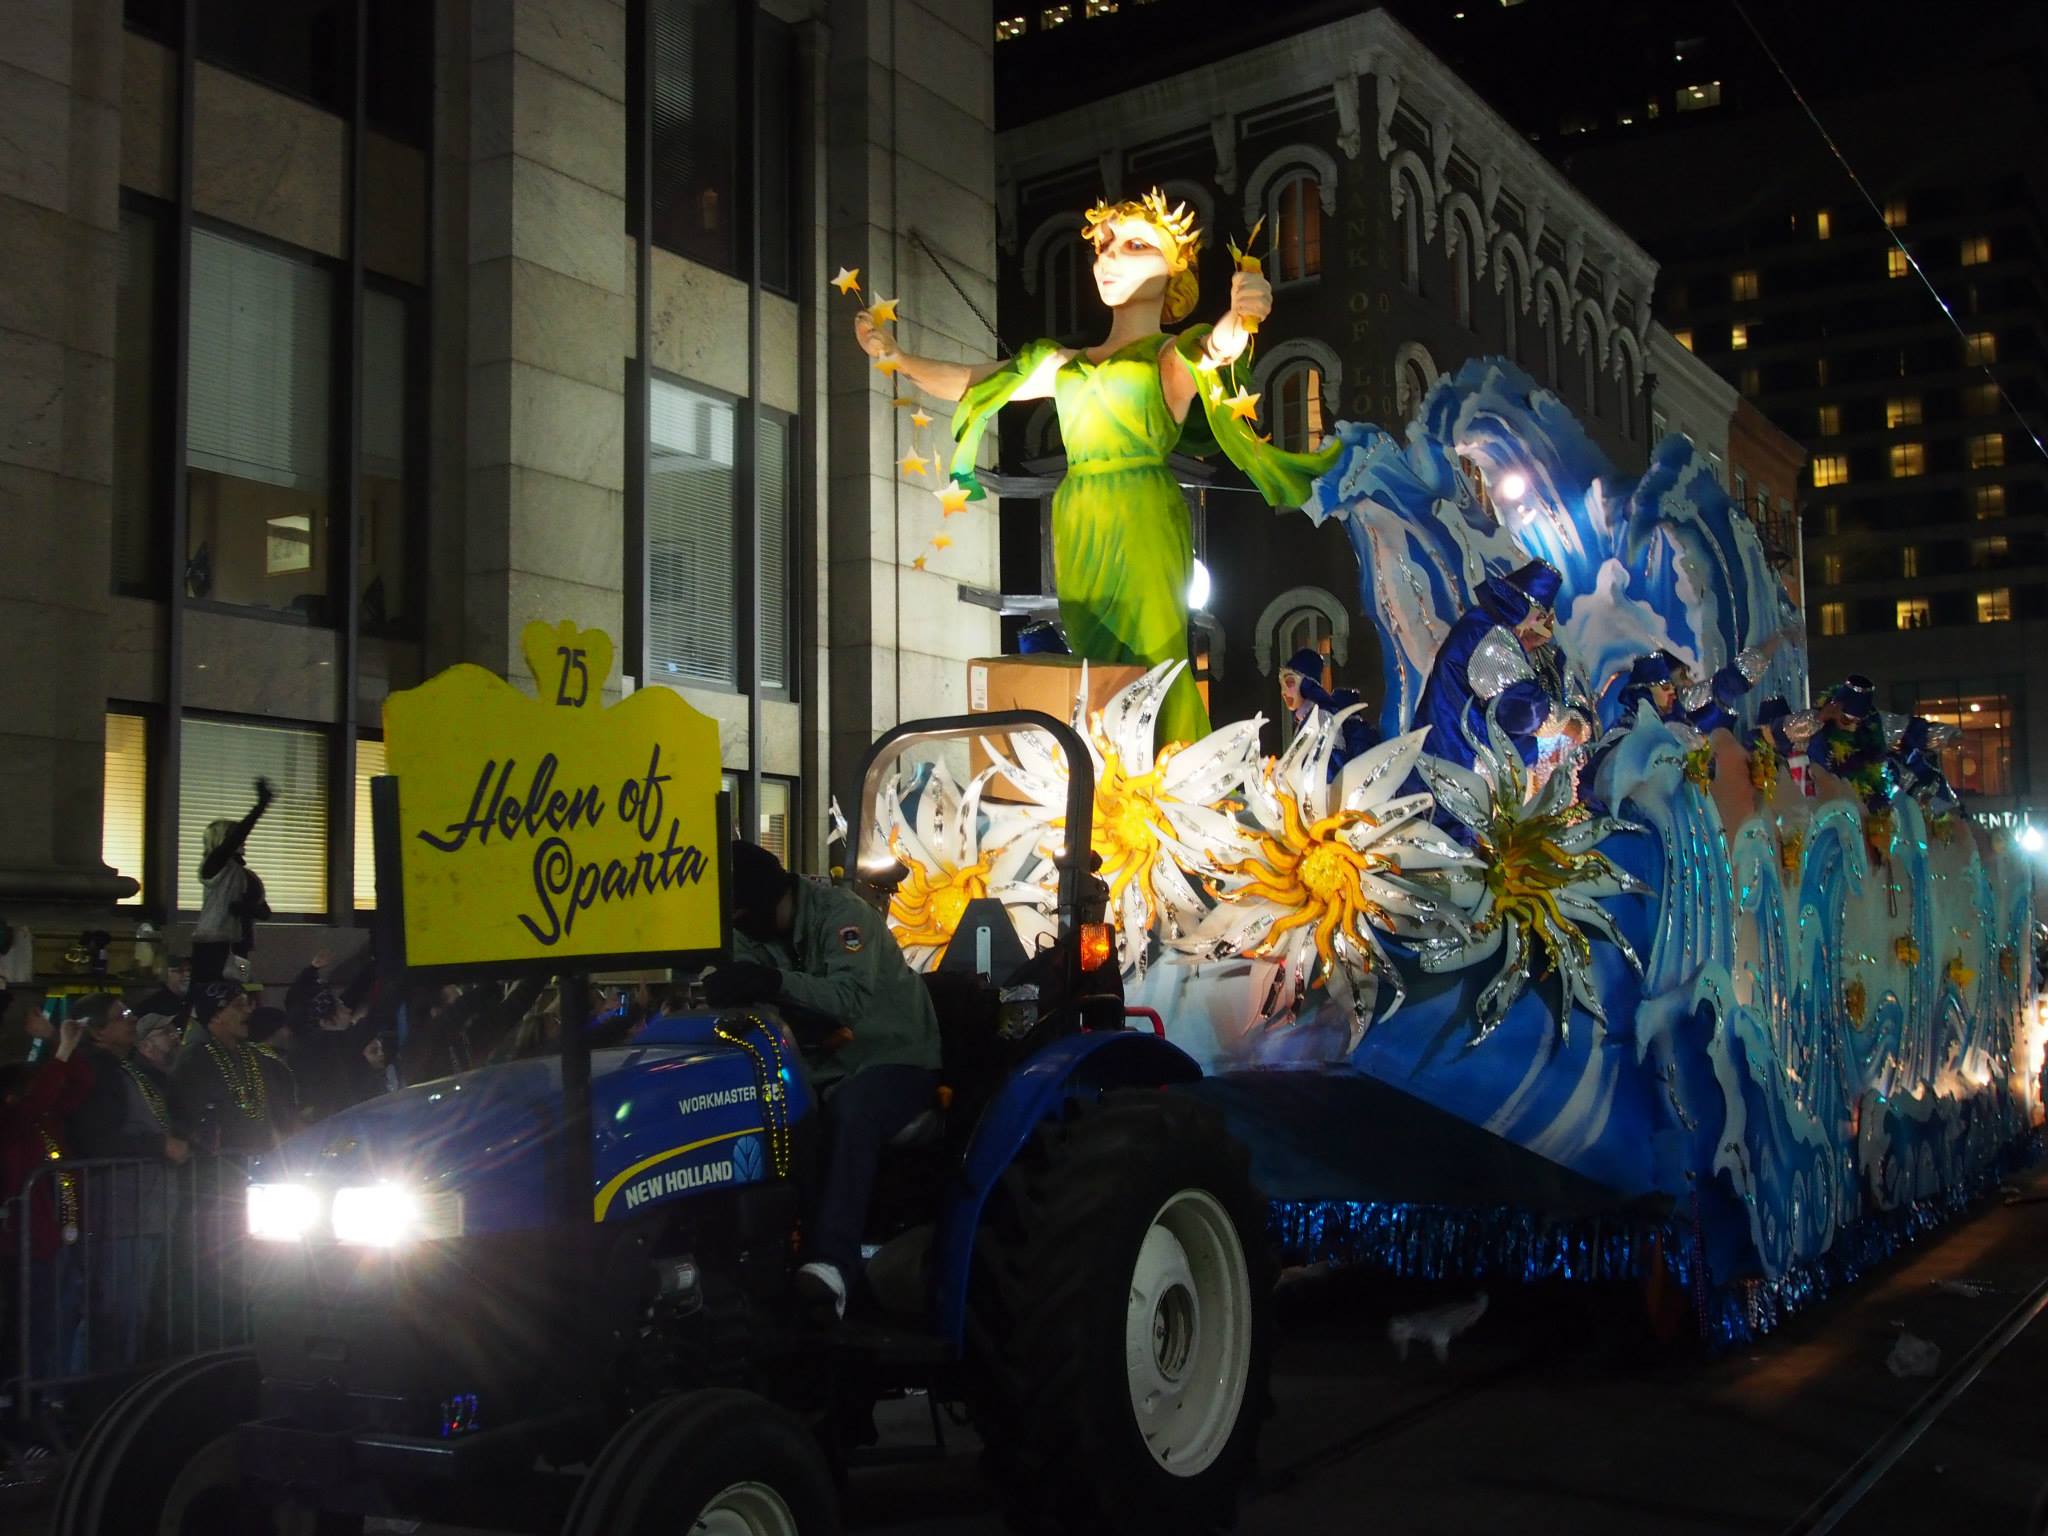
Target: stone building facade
339	339
1407	229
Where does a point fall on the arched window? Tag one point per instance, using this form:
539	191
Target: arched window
1066	282
1627	404
1461	283
1550	325
1510	313
1298	421
1410	236
1302	629
1590	366
1297	229
1414	382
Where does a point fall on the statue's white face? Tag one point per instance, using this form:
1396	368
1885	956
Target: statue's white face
1130	262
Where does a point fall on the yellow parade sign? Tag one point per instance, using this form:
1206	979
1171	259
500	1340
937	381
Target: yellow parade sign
553	828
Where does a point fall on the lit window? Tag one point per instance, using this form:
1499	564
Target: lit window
1979	348
1298	422
1298	229
1987	501
1987	451
1987	552
1055	16
1823	226
1976	250
1697	98
1981	400
1909	561
124	802
1895	263
1831	519
370	762
1742	286
1981	763
1738	337
1913	613
1830	420
1752	382
1908	460
1740	491
1009	27
1820	371
1683	338
1831	570
288	848
776	821
1995	606
1902	411
1895	213
1834	618
1830	469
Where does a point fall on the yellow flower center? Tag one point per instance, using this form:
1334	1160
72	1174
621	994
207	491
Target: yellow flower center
1329	871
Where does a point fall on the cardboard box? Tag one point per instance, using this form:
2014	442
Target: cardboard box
1048	684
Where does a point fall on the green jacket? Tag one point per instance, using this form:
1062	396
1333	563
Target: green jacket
840	959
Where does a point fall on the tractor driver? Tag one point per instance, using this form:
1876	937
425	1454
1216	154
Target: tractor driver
868	1030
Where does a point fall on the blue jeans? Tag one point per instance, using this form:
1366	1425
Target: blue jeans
861	1114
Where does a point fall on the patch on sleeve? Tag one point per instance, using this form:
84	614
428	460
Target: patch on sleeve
850	938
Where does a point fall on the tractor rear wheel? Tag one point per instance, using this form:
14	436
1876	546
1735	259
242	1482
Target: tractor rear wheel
709	1463
161	1462
1120	1319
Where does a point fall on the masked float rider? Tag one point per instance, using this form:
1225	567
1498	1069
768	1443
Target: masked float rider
1709	705
1500	658
1302	693
869	1034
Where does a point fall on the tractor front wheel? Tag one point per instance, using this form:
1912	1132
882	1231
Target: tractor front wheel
1120	1317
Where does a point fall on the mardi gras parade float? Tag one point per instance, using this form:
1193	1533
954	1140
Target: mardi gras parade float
1592	947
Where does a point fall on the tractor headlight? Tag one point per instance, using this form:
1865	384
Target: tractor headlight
386	1215
282	1213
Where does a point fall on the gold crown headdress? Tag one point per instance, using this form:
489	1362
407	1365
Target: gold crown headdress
1176	225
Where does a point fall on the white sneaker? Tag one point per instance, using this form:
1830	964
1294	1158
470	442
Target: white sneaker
821	1283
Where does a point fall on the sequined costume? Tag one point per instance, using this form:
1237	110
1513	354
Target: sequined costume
1856	748
1482	667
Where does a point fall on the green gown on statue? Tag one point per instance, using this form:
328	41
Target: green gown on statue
1122	547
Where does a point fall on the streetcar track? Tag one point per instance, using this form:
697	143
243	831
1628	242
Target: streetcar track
1864	1474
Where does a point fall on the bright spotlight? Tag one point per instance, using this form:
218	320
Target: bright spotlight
1514	485
2031	839
1198	588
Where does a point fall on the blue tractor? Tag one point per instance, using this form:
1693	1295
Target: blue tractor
555	1295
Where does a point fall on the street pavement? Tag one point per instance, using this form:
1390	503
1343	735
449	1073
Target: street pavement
1552	1415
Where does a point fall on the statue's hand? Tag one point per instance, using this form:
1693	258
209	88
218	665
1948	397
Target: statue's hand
1251	296
872	341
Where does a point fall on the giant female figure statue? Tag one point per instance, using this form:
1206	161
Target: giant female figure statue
1122	547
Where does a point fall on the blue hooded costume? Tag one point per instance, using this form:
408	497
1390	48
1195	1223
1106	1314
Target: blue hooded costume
1482	666
1710	705
1357	737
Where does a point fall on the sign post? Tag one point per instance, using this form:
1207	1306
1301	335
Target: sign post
552	834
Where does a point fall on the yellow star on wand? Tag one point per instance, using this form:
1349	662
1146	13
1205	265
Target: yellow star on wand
919	418
888	365
911	464
952	499
1243	406
848	280
883	312
917	564
942	542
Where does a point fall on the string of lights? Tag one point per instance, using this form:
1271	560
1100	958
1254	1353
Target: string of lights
1877	209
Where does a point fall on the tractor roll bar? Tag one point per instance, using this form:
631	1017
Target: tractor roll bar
1073	862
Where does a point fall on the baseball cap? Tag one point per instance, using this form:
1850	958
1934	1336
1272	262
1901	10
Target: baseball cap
152	1023
209	998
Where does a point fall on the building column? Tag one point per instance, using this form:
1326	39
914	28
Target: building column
550	324
60	221
910	148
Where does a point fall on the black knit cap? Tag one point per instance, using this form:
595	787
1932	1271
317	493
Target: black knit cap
209	998
758	880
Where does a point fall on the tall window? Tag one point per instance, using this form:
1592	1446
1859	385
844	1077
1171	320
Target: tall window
138	400
1831	570
1830	421
1902	411
1979	348
1913	613
1549	328
220	760
1908	460
1413	384
1830	469
257	427
1895	213
1067	278
1297	214
124	800
1995	606
1909	561
1981	400
1983	762
777	820
1461	284
1834	619
1738	337
1895	263
1589	369
693	540
1987	501
1823	226
1304	629
1987	553
1298	421
1510	317
370	762
1976	250
698	138
1409	234
1742	286
390	408
1986	451
1627	391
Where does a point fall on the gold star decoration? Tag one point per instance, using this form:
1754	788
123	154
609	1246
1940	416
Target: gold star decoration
919	418
1245	407
952	499
942	542
883	311
888	366
911	464
917	564
848	280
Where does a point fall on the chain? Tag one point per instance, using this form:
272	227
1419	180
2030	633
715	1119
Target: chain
771	1084
946	272
150	1095
67	1188
242	1071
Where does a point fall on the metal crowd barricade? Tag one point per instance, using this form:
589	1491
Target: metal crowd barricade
114	1266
